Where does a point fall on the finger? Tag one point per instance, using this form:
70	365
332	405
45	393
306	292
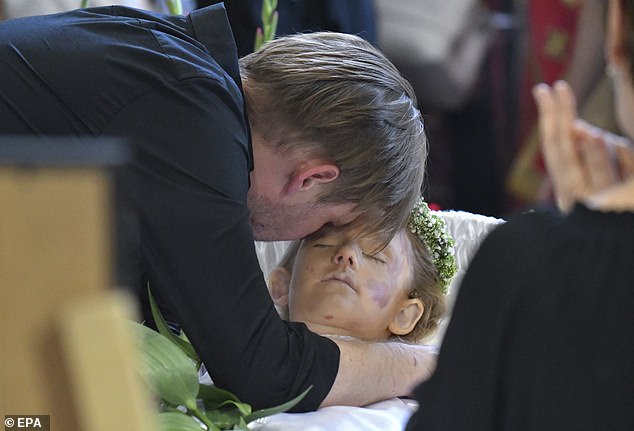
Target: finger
547	113
581	130
549	131
600	170
573	175
550	137
557	110
567	106
625	157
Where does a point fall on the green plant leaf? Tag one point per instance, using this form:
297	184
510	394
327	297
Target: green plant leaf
270	17
225	418
213	394
241	425
162	327
168	371
277	409
218	402
271	28
267	10
175	7
258	39
178	421
244	408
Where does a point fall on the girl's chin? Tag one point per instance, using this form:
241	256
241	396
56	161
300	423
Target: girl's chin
323	328
326	329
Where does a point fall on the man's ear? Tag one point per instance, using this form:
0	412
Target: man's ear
305	178
279	281
409	314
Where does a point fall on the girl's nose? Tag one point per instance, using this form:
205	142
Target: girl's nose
346	254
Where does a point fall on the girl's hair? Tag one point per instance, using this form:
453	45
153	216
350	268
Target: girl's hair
425	285
336	97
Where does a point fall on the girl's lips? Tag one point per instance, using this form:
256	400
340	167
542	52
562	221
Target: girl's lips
342	278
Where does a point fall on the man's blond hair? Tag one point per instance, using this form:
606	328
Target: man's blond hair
336	97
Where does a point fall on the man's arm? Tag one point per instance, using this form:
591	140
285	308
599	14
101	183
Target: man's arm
374	371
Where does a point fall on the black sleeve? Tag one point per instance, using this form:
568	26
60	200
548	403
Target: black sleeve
537	337
198	250
461	394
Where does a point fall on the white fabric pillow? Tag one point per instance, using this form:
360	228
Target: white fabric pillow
388	415
468	231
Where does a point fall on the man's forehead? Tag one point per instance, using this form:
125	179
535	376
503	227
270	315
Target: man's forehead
347	215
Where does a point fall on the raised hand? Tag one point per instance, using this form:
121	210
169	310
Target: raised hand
581	159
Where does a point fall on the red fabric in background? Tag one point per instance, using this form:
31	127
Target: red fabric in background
551	28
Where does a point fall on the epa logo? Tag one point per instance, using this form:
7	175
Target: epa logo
27	423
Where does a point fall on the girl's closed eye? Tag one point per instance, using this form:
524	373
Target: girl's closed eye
375	258
323	245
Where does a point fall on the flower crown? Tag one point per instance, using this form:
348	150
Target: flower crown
432	230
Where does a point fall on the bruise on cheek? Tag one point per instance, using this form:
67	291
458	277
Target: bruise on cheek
380	292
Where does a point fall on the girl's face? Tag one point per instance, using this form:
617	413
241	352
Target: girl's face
337	287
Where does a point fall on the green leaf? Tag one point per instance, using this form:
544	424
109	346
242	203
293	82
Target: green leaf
175	7
244	408
271	28
267	10
241	425
258	39
225	418
270	17
213	394
162	327
277	409
168	371
215	398
178	421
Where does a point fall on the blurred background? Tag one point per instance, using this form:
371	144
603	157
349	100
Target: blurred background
472	63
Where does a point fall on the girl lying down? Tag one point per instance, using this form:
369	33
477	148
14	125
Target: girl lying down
336	284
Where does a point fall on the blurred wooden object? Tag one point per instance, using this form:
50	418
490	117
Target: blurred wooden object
98	347
65	351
